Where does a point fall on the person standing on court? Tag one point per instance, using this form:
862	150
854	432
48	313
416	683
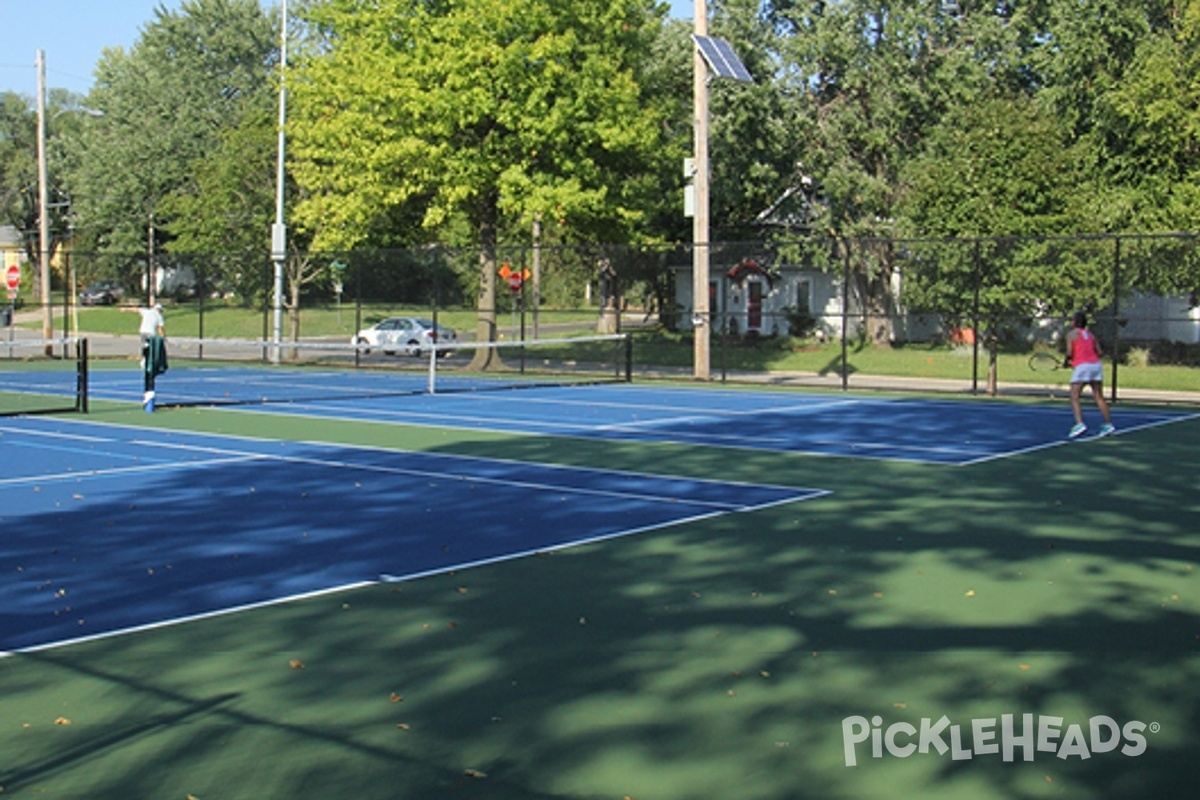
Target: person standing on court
152	331
1083	355
152	321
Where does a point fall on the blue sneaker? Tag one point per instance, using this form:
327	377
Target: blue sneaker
1077	431
1107	429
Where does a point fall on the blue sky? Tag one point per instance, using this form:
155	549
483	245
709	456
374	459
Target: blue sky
73	33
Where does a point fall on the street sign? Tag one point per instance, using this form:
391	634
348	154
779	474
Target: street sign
13	277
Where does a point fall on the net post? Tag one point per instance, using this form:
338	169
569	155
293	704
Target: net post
81	376
432	384
628	358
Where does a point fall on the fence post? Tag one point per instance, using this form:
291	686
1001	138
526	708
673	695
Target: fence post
975	320
1116	304
845	313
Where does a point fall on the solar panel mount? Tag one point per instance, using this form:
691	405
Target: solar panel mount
721	59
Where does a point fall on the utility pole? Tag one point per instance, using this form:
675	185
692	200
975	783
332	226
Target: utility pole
537	269
43	206
279	229
701	319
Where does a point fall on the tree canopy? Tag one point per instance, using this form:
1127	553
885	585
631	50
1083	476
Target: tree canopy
490	111
419	121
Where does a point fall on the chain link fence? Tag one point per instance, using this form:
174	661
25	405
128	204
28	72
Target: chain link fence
965	314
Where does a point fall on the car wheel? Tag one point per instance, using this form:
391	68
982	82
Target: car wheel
363	341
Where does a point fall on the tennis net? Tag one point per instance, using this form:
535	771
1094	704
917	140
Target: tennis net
229	371
43	376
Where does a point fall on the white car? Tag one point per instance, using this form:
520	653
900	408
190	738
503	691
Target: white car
411	336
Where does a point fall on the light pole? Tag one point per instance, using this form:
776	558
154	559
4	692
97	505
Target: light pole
279	229
43	206
44	200
701	327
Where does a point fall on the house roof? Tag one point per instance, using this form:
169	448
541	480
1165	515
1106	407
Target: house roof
10	237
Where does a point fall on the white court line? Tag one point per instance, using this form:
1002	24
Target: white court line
428	475
1065	441
137	429
152	626
75	477
721	414
565	431
383	578
55	435
717	510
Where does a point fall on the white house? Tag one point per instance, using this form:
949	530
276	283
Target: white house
745	297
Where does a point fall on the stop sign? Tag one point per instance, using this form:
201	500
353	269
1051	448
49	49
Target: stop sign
13	276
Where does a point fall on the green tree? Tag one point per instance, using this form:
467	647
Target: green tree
19	206
996	183
485	110
757	133
872	77
18	168
192	76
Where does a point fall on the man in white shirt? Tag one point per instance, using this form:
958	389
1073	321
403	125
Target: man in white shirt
152	331
152	321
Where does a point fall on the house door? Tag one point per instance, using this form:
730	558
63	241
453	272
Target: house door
754	302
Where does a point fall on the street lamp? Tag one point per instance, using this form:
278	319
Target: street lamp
279	229
44	199
43	205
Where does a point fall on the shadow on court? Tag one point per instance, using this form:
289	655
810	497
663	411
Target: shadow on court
715	659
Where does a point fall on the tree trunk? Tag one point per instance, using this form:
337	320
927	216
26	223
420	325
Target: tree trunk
485	328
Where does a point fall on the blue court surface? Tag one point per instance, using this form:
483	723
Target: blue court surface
915	430
110	528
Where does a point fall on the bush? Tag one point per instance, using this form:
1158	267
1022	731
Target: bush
1163	353
1138	357
800	321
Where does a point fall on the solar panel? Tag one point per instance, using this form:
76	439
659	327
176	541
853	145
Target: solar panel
721	59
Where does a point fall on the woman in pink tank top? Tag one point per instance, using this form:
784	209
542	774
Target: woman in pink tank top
1083	351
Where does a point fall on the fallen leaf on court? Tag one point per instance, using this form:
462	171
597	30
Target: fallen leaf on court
878	595
1023	667
970	592
474	773
900	706
463	590
403	726
762	673
62	721
76	497
451	625
396	698
296	664
832	592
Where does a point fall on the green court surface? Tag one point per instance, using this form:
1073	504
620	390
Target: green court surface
737	657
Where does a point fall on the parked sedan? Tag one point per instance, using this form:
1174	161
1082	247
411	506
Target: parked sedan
101	293
411	336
